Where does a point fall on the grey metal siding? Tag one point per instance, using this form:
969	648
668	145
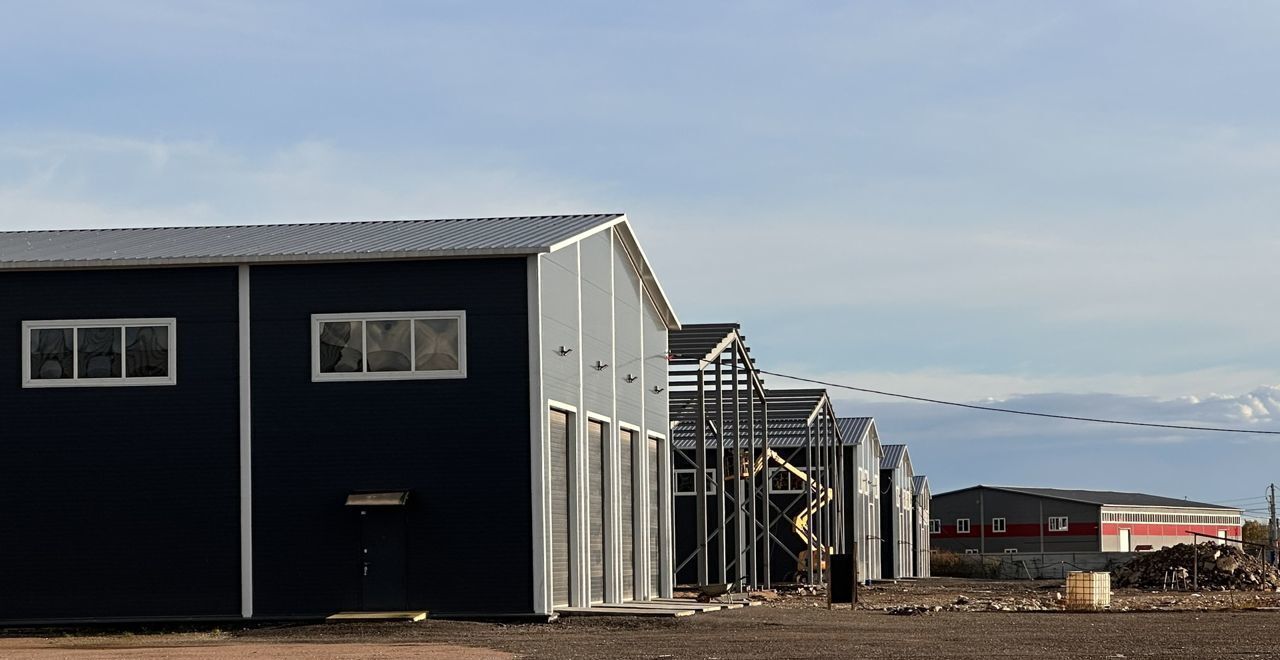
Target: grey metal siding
597	323
628	341
561	374
122	501
592	304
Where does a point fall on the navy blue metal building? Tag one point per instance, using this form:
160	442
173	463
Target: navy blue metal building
461	416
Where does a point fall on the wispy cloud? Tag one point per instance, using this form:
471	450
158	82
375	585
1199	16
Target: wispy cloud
85	180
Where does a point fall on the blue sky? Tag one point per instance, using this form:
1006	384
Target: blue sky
1070	204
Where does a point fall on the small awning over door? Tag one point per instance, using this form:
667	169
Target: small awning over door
386	498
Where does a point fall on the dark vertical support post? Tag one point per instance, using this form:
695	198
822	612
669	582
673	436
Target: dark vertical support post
837	484
826	490
754	568
819	460
828	530
767	568
722	554
831	484
847	498
739	508
809	492
829	473
700	479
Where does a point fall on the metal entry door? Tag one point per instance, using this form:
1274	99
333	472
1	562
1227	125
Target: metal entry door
627	444
559	508
383	558
595	506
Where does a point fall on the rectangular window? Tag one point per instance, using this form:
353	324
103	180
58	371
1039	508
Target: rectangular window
99	352
971	551
1011	551
998	526
785	482
389	346
685	484
962	525
1057	523
935	526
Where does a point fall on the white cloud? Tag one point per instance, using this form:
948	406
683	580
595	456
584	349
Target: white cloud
959	447
77	180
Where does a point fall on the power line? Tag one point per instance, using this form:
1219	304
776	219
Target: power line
1260	498
1029	413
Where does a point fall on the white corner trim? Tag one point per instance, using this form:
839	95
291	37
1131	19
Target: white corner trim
539	448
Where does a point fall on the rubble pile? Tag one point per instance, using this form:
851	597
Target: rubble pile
1222	567
966	604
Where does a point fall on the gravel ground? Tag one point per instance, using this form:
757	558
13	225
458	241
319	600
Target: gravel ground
793	627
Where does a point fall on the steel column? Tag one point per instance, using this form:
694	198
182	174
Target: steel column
809	513
722	554
700	479
739	517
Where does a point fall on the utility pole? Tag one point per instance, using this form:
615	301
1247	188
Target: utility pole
1273	532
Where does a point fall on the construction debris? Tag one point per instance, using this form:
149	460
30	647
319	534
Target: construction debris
1221	567
965	604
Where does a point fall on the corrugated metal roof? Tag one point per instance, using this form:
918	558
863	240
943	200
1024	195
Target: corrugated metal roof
893	455
294	242
782	433
919	483
853	428
1107	497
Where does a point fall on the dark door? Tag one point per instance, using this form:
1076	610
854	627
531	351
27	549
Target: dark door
383	558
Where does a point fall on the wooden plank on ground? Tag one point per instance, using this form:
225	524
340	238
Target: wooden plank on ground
621	610
377	616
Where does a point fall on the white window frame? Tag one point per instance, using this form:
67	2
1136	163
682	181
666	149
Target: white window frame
711	482
1059	523
1000	528
935	525
1011	551
455	314
815	475
971	551
123	380
968	528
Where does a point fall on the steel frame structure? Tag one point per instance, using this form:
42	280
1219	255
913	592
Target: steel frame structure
719	404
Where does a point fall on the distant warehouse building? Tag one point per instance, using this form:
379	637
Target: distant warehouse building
1003	519
287	421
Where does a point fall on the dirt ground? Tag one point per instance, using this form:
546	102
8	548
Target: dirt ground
1141	625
